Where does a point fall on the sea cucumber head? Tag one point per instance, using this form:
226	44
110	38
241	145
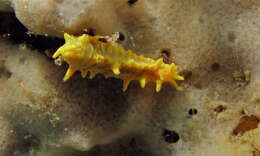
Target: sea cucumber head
74	49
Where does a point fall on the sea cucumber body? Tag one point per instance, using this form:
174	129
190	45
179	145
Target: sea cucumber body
95	55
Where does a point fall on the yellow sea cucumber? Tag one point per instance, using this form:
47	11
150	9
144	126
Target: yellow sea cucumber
99	54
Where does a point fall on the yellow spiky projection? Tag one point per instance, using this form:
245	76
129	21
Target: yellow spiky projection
99	54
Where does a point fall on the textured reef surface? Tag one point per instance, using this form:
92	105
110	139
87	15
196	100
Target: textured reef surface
215	44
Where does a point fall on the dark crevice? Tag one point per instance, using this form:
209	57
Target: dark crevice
12	30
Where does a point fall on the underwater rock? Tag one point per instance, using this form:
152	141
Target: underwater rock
216	44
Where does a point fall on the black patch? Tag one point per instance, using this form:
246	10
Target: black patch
170	136
193	111
131	2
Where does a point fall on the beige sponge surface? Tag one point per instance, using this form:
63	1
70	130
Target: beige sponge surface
215	44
